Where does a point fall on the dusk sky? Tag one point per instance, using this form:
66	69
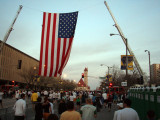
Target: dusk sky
92	45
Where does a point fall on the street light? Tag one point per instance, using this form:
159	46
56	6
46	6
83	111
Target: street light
126	52
107	66
149	65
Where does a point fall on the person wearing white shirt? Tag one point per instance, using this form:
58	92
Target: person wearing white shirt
71	97
59	95
17	95
46	93
54	96
50	97
120	107
127	113
104	95
51	104
20	108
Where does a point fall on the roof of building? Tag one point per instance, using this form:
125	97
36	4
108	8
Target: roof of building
81	83
86	69
19	51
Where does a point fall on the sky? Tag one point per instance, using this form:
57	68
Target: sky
92	45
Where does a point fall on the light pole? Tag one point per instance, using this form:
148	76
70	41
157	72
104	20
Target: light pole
107	66
126	52
149	65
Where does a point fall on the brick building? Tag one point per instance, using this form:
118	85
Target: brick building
9	57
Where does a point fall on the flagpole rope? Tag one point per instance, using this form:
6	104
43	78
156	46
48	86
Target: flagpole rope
33	9
96	4
38	10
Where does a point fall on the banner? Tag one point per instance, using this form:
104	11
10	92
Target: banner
123	62
109	77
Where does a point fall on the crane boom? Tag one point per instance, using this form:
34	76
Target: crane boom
10	28
125	42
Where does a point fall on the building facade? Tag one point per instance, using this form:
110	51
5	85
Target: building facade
83	85
86	76
155	74
9	57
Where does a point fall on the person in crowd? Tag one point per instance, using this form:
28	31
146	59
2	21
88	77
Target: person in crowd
70	114
94	100
52	117
59	96
20	108
151	115
90	95
123	96
127	113
29	94
1	97
62	107
88	111
78	102
98	102
52	109
45	93
34	99
38	109
54	96
115	99
38	93
104	95
47	108
83	99
17	94
50	96
71	97
120	107
110	100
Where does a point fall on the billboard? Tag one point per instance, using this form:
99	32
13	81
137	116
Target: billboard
109	77
130	62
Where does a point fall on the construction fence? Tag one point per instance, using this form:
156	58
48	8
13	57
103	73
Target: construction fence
145	99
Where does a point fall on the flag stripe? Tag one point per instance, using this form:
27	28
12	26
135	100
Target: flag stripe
53	44
58	55
50	45
64	49
42	40
47	42
44	45
67	55
55	48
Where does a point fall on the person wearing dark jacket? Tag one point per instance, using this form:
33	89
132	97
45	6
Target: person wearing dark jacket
62	107
38	109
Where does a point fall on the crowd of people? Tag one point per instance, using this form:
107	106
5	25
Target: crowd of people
73	105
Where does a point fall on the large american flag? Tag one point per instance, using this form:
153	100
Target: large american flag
56	42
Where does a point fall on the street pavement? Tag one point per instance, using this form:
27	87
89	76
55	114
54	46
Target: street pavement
7	113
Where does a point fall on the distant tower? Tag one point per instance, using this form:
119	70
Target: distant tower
86	76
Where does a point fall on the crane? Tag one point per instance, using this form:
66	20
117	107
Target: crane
125	41
10	28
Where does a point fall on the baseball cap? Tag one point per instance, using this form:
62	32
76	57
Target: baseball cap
120	105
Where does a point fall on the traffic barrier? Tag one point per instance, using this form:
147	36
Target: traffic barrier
145	99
